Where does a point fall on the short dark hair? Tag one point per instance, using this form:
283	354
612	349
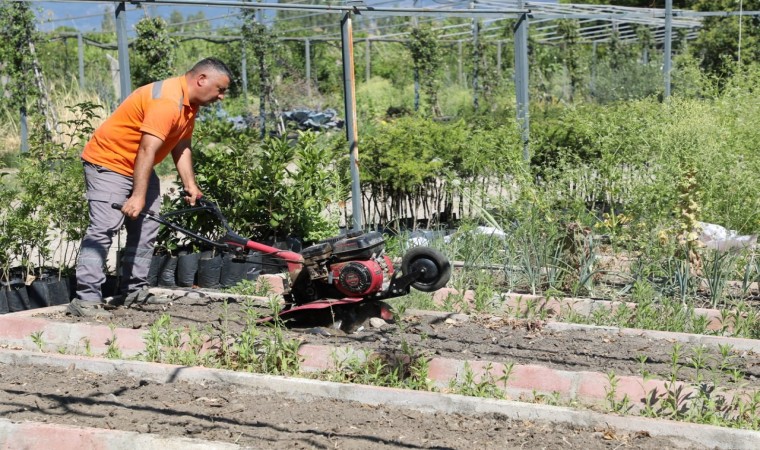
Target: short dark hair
213	64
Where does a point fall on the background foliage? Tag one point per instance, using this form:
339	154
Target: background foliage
602	140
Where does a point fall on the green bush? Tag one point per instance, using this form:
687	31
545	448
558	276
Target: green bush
273	189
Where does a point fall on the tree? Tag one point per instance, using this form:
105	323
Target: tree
260	46
176	22
153	51
718	41
108	24
568	29
17	34
426	55
197	22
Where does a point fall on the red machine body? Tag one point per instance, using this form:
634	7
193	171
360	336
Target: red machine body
345	274
362	278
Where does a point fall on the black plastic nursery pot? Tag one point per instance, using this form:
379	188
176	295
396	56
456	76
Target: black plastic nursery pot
274	265
48	290
16	295
209	269
3	302
233	271
167	271
155	267
187	268
253	266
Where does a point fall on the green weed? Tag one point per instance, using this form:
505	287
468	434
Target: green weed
38	341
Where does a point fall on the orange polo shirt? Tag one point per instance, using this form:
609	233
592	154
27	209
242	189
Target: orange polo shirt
161	109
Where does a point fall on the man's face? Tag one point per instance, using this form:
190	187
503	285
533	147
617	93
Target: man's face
213	86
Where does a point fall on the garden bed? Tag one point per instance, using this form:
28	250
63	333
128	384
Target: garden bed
250	417
487	337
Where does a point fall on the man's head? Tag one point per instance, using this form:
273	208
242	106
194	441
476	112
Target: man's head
208	81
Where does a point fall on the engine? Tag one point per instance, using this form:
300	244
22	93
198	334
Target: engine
352	265
361	278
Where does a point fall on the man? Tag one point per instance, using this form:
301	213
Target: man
155	120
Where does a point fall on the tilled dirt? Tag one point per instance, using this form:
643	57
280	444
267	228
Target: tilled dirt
487	337
222	413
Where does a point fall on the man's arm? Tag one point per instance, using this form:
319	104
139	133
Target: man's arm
146	155
183	159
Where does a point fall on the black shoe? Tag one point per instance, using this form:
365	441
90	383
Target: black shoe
85	308
144	297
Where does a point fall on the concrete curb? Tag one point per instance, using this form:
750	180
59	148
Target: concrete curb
583	306
524	381
302	389
750	345
35	435
586	307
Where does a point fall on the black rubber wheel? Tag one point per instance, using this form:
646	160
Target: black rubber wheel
436	268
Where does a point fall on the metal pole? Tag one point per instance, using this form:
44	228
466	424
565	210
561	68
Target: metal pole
244	71
498	59
416	89
367	60
80	51
592	87
521	79
24	131
308	67
121	41
668	42
349	91
459	73
475	62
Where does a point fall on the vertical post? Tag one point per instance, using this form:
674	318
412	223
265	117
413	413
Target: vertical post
460	77
367	60
416	89
244	71
592	83
308	67
80	51
24	130
668	43
498	59
475	61
349	93
121	40
521	78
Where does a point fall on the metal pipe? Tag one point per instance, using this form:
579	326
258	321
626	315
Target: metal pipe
349	91
460	76
244	71
668	43
340	9
307	52
521	80
475	62
367	60
121	42
498	59
24	130
592	82
80	53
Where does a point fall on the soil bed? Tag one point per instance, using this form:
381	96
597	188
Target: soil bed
486	337
222	413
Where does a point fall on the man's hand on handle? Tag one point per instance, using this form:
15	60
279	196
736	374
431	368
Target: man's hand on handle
191	194
133	207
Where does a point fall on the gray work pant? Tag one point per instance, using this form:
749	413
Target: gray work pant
105	187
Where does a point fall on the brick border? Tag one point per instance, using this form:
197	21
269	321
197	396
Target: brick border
304	389
36	435
525	380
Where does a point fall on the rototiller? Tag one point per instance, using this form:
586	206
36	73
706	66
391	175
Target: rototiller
344	278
